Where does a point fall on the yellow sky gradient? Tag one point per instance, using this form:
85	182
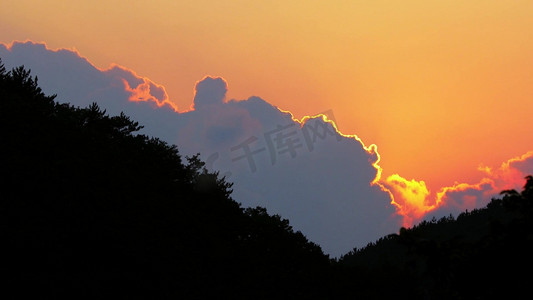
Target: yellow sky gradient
439	86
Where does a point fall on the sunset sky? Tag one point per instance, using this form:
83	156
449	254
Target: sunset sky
442	87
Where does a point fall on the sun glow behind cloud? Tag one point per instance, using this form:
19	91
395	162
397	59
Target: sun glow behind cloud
413	199
418	78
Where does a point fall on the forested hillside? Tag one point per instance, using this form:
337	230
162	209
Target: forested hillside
482	254
89	208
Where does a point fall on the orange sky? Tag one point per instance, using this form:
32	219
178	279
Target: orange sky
439	86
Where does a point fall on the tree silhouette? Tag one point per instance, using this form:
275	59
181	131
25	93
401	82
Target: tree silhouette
528	187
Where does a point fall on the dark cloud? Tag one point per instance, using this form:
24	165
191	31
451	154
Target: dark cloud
304	171
209	91
463	197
